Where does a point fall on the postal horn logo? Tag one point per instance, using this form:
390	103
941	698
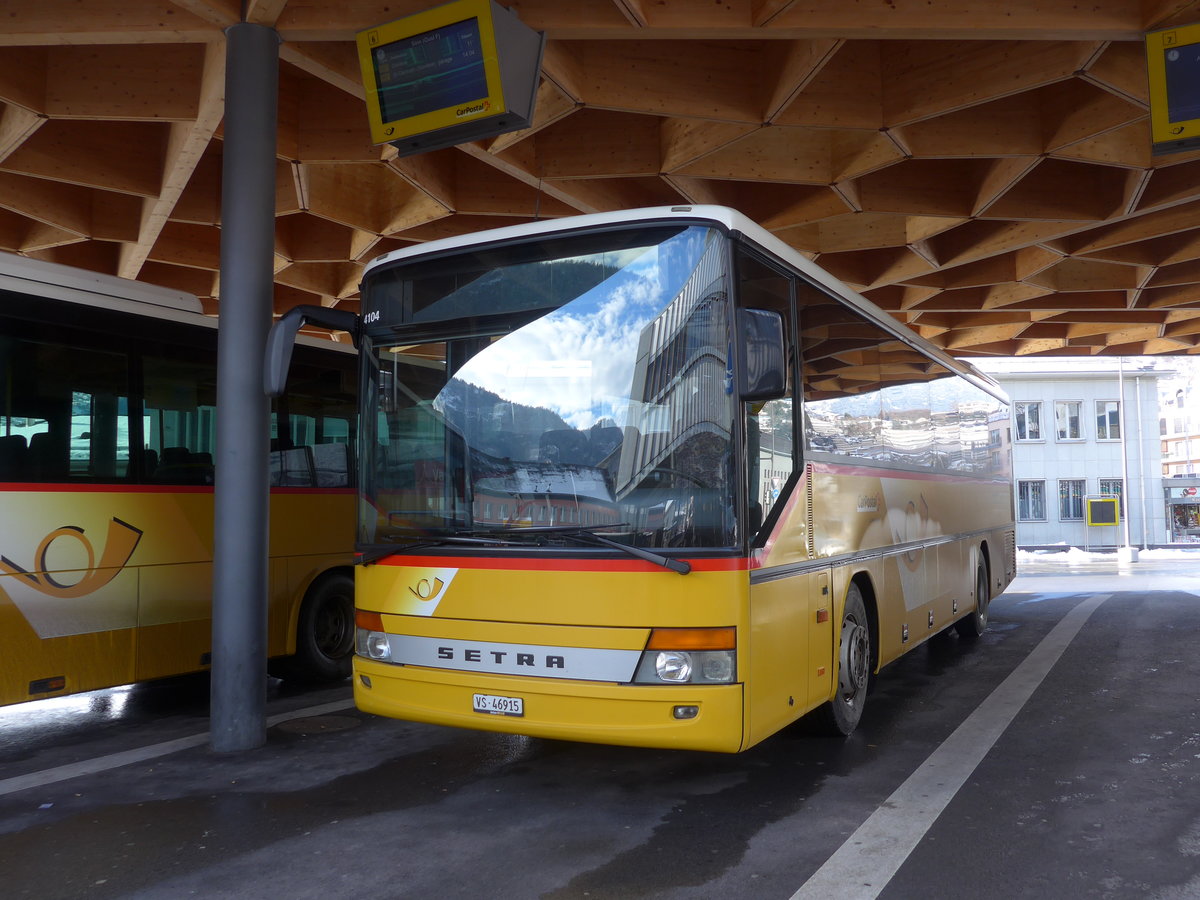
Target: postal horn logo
425	590
122	540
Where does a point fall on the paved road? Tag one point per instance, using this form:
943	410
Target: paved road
1059	757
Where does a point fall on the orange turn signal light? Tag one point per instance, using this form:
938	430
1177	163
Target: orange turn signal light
368	621
693	639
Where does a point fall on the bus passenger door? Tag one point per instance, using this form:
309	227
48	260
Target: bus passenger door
791	650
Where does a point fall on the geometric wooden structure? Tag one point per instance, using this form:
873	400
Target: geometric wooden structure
981	170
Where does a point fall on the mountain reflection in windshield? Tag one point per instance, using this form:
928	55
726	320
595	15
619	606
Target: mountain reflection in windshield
615	407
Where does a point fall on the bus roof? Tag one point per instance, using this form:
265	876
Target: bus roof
729	219
34	276
68	284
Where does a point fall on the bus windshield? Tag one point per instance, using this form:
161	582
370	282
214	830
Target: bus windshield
552	387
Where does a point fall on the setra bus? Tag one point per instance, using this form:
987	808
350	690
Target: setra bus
107	393
653	478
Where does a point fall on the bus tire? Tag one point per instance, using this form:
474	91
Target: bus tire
840	715
324	633
972	627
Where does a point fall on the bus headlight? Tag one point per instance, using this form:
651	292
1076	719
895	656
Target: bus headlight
688	656
377	645
718	666
673	665
370	640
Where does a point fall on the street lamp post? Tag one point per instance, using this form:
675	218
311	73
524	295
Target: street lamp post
1126	553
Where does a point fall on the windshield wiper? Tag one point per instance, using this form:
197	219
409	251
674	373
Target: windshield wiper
587	535
376	552
482	537
582	535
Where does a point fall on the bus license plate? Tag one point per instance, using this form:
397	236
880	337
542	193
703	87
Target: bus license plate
498	706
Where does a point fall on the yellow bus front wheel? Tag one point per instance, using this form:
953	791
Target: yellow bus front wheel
840	715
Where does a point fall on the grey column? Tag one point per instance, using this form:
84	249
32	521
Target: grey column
239	666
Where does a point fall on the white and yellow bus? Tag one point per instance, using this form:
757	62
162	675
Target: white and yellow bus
107	393
652	478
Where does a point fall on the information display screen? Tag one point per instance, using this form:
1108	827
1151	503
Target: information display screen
1103	511
435	70
466	70
1173	77
1182	68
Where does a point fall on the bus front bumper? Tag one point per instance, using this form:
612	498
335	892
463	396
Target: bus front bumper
559	709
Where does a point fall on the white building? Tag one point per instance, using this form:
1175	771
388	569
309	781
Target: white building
1084	429
1179	424
1179	429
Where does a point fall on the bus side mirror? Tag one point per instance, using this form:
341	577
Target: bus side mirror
282	338
764	361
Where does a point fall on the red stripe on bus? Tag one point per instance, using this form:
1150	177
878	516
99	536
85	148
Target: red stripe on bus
61	488
732	564
89	488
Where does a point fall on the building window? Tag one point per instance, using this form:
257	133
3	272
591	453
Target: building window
1029	421
1031	501
1070	499
1068	417
1114	487
1108	420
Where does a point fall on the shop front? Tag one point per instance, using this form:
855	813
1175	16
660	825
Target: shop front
1183	509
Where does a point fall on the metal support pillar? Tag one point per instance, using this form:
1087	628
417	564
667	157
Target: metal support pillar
239	664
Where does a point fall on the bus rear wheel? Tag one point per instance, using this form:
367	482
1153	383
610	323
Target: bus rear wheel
840	715
324	634
972	627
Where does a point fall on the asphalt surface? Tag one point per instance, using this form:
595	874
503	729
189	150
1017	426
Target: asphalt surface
1087	784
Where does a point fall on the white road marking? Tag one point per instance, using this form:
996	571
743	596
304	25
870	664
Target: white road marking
866	862
141	754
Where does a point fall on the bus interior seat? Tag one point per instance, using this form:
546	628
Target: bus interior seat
179	465
332	462
292	467
13	457
49	456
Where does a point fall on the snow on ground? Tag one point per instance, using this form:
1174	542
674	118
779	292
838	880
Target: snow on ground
1076	554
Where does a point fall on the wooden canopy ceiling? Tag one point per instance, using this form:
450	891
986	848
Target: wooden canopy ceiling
980	169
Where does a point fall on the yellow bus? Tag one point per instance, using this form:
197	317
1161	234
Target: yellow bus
107	393
652	478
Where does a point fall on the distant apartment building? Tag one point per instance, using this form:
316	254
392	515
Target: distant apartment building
1179	430
1082	430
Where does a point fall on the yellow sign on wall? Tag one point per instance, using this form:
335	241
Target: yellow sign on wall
1103	511
1173	69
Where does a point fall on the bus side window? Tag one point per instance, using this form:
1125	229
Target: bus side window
69	407
178	421
312	428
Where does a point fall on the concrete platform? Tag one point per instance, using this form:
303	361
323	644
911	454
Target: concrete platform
1088	787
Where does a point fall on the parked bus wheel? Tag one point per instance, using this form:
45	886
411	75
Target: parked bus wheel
971	627
324	634
841	714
